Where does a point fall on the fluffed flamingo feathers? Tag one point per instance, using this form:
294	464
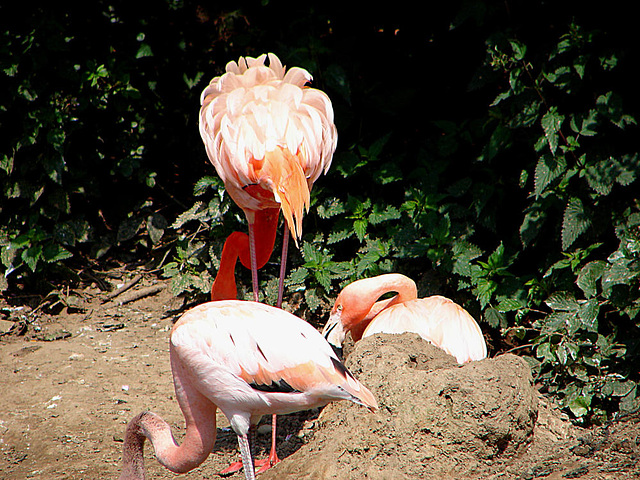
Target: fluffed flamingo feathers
437	319
263	126
249	360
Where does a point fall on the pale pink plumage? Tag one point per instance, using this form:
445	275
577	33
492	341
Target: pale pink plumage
437	319
254	112
225	355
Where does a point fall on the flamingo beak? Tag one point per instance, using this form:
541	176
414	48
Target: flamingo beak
334	332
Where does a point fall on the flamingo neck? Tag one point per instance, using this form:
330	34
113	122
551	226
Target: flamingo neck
195	447
265	223
200	436
360	303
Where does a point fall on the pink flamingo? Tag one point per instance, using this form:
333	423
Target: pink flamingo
226	355
269	137
437	319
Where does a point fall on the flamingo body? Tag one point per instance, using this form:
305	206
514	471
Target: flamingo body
226	355
437	319
268	135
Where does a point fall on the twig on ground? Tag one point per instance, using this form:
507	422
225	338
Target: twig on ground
122	289
136	295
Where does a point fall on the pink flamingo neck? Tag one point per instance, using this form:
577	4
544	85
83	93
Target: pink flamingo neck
360	304
237	246
200	437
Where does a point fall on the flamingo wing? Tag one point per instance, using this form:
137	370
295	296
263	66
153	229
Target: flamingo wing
438	320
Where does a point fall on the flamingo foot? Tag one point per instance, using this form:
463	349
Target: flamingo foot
267	463
261	466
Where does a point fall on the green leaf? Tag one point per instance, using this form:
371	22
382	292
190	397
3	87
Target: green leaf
543	351
484	291
297	276
196	212
547	170
360	228
156	225
589	275
574	222
192	82
389	213
330	208
551	124
587	125
463	253
144	51
203	184
495	318
588	314
129	228
617	388
388	173
337	235
619	272
31	256
580	406
519	49
562	301
53	252
312	299
509	305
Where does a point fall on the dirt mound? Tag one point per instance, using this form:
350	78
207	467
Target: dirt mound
435	419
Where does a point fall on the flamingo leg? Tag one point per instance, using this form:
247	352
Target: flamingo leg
272	459
237	466
254	262
273	456
247	458
283	264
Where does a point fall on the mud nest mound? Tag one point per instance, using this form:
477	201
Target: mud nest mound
436	419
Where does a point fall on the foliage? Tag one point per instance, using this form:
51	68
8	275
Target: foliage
486	149
579	191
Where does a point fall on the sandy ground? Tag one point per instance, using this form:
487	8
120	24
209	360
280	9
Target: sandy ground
73	378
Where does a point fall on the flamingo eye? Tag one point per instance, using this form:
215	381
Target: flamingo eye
339	308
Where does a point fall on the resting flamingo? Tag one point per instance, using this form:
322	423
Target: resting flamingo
437	319
269	137
226	355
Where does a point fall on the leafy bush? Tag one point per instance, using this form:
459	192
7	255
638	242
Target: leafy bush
580	193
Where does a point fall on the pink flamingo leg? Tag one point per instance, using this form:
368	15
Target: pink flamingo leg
245	453
273	456
283	264
254	262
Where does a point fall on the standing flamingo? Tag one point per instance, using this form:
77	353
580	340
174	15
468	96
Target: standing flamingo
437	319
225	355
269	136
